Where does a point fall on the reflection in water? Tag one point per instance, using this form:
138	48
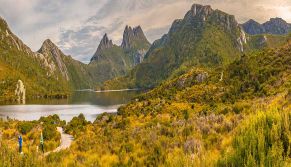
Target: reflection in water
89	103
90	98
65	112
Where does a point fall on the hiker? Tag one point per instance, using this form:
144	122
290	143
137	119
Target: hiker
20	143
41	143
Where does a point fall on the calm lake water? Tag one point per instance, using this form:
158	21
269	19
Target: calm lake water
89	103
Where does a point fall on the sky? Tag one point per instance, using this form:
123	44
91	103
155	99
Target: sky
77	26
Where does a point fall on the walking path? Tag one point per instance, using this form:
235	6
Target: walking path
66	141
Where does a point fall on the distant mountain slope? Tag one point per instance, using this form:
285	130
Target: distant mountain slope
273	26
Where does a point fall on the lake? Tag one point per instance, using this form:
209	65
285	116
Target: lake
88	102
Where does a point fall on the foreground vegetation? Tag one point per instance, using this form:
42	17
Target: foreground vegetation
238	115
31	132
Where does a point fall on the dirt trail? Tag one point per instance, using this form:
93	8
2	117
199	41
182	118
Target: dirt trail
66	141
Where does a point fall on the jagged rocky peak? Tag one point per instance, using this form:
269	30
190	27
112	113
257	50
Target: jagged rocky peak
131	36
253	27
273	26
252	22
104	44
199	14
49	47
277	21
277	26
199	11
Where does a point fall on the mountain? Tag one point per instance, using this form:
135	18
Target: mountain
50	73
134	38
18	64
110	60
253	27
277	26
204	37
273	26
105	44
73	71
45	73
135	44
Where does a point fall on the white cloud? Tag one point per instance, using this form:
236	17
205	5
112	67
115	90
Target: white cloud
78	25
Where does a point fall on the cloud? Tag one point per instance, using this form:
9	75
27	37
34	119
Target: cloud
77	26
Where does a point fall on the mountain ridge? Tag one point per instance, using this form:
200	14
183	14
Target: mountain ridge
194	40
273	26
203	37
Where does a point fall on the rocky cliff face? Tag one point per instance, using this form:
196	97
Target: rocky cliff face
51	52
273	26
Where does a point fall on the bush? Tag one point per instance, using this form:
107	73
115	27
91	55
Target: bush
25	127
263	140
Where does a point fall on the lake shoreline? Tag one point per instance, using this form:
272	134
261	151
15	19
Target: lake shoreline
102	91
86	101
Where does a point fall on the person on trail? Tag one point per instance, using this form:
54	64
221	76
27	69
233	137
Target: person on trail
20	143
41	143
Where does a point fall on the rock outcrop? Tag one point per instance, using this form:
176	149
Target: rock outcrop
20	92
273	26
201	77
